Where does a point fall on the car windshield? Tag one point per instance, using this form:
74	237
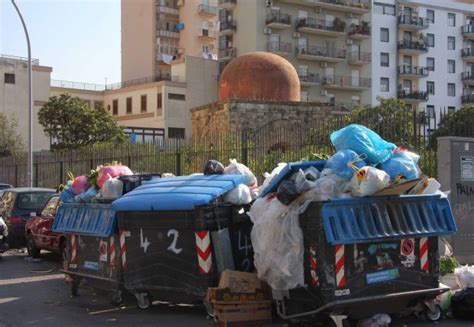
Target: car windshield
34	200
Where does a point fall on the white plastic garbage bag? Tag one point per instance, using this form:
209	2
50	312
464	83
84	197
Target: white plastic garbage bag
326	188
303	184
112	188
239	195
464	276
277	240
368	180
272	175
236	168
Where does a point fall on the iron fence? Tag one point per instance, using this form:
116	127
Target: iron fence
261	150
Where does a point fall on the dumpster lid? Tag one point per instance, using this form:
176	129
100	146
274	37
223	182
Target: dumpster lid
360	220
177	193
289	169
91	219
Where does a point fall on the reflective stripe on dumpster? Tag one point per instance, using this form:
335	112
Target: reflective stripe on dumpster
204	251
425	264
73	263
123	250
340	275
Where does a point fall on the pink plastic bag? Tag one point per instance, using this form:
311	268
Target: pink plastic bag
108	172
80	184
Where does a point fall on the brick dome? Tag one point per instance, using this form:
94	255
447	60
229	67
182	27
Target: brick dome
260	76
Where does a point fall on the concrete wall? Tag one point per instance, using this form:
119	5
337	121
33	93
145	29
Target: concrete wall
235	115
138	22
14	98
90	97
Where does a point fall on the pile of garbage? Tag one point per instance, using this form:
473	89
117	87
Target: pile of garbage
242	194
363	165
101	183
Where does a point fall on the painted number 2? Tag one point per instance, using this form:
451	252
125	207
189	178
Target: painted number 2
172	247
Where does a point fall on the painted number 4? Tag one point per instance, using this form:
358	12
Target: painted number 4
172	247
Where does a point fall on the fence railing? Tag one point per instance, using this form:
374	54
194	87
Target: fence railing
261	150
33	61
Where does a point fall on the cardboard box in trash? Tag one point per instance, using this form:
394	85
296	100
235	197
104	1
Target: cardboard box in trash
240	300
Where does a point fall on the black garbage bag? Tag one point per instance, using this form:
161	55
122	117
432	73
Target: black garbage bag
462	304
287	192
213	167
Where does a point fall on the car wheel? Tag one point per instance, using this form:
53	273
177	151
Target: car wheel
33	251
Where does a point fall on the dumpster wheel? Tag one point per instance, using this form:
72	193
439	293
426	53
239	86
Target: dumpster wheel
117	298
143	300
433	313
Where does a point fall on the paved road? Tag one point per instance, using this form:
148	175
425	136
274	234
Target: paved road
33	293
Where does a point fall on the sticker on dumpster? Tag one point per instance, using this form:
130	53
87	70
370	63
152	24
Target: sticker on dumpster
342	292
103	250
382	276
91	265
407	247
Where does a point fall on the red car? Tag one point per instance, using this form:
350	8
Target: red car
39	234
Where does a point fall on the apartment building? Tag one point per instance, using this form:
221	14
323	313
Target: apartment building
14	95
423	53
328	42
156	32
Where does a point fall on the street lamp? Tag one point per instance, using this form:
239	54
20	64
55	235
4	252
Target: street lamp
30	101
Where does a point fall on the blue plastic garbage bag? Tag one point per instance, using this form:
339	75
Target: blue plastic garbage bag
88	195
344	162
402	165
363	140
67	196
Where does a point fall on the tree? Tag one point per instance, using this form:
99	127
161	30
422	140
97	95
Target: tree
72	124
10	141
457	123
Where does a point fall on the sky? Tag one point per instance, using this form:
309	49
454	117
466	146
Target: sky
80	39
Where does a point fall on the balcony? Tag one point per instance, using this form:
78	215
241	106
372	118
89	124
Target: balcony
352	6
324	27
167	10
406	71
467	78
227	4
207	10
170	34
348	83
308	80
412	47
278	20
360	58
278	47
467	54
321	53
227	27
412	23
359	32
413	96
207	35
467	98
227	54
468	31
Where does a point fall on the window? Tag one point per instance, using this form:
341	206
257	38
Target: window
129	105
451	43
384	59
143	103
451	19
451	90
384	9
108	107
430	87
430	16
430	111
451	109
384	35
175	96
430	64
430	40
175	133
159	101
451	66
87	103
384	84
115	107
9	78
98	104
32	201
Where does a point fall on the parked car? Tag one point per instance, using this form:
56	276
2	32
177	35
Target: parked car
16	208
4	186
38	230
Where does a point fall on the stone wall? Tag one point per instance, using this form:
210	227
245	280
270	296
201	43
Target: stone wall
236	115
